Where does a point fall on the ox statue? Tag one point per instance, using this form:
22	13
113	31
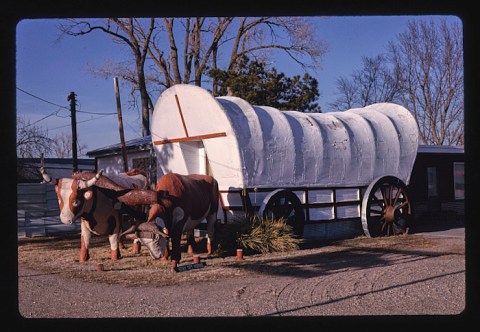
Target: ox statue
93	198
183	201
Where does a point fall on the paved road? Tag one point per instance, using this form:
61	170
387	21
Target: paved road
453	230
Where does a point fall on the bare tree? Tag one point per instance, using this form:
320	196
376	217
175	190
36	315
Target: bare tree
201	38
256	37
62	146
32	142
130	32
32	139
182	50
170	51
207	39
347	92
428	58
267	33
374	83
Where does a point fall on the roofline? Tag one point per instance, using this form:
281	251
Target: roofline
57	160
115	149
438	149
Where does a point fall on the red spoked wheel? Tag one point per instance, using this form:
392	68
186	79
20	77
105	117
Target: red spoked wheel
386	209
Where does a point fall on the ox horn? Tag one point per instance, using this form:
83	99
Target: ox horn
150	227
46	177
82	184
131	230
144	227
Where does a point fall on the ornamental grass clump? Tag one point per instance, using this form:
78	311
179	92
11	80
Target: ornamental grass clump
259	235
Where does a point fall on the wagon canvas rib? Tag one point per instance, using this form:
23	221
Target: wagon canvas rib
181	115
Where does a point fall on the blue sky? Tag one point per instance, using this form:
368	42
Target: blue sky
50	70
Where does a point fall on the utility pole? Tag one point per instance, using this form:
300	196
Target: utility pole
73	115
120	124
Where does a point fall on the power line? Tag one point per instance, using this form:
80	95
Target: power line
44	100
56	112
95	118
45	117
96	113
79	110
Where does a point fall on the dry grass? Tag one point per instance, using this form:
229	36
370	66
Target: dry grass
259	235
59	255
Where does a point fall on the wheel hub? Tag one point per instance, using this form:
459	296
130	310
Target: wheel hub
390	214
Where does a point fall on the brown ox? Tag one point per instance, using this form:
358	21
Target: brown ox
183	202
92	198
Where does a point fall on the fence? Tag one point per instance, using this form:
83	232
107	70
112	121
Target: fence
38	211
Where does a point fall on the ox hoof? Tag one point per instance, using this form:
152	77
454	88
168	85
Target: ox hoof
84	256
115	254
136	247
174	264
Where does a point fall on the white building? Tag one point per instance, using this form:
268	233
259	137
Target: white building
139	155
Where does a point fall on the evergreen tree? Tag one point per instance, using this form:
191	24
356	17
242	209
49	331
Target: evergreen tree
260	85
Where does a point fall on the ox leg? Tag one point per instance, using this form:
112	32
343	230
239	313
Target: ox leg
84	241
176	252
190	241
166	253
136	246
211	220
161	224
115	250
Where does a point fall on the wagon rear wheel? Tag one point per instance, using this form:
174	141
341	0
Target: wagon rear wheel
386	209
283	203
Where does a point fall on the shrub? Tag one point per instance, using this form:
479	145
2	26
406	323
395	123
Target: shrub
258	235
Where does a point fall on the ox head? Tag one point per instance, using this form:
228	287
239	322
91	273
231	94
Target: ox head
71	194
150	236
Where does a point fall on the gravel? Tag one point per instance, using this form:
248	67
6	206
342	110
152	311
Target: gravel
419	274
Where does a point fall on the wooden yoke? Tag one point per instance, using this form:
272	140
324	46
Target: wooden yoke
127	196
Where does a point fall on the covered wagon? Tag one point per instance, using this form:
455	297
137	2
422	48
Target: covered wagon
328	174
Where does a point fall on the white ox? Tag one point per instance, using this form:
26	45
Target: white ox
93	199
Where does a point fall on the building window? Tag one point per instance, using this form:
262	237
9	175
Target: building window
459	180
432	181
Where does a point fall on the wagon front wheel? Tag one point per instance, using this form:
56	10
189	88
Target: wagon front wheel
386	209
284	204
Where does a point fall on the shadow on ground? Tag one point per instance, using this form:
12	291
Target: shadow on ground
346	257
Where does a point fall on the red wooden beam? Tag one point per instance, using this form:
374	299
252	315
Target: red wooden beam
181	116
188	138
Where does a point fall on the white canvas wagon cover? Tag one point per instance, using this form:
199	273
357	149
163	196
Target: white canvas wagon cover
260	146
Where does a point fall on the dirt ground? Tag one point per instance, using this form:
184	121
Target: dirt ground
59	255
403	275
